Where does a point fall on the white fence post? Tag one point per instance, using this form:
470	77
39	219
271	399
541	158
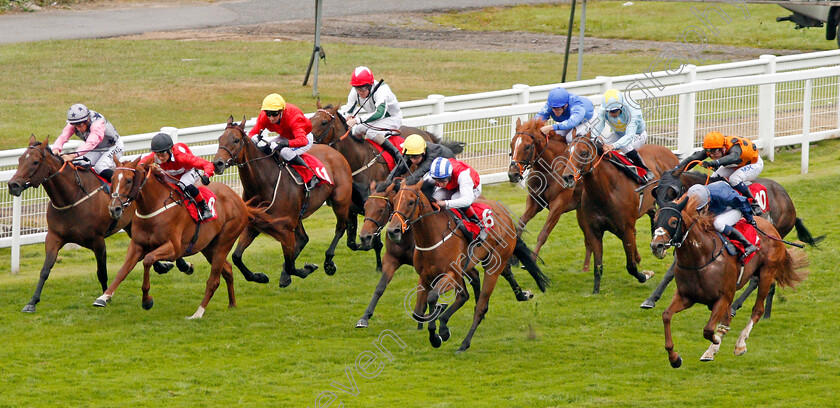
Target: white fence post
607	83
522	98
767	111
171	131
806	127
16	216
436	109
687	110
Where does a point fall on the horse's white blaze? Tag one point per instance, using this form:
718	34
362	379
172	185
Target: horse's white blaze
518	142
198	314
659	232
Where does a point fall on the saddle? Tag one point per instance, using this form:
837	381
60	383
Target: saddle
473	226
627	167
305	175
397	141
736	248
192	206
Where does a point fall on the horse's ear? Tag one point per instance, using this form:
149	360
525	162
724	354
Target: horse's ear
679	171
318	103
136	161
518	122
681	205
47	141
32	139
242	124
230	120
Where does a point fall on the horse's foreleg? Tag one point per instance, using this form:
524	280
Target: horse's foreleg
377	249
593	241
555	210
165	251
132	257
461	297
719	310
101	255
52	245
678	304
245	240
352	225
764	284
420	303
650	302
218	263
389	267
481	306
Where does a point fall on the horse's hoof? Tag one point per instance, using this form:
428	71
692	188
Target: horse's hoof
463	348
524	296
444	334
739	351
596	291
648	304
28	309
677	363
732	312
435	340
362	323
310	267
163	267
260	278
189	270
100	303
285	280
148	305
329	268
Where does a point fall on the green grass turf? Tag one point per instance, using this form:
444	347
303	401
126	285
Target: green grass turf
284	347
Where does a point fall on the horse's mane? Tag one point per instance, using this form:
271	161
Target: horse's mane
704	219
382	186
337	114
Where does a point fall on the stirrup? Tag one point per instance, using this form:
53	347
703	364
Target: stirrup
756	208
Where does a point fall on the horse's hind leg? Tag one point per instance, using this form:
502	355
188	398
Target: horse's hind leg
481	305
650	302
132	257
52	245
521	295
245	240
593	240
764	284
753	283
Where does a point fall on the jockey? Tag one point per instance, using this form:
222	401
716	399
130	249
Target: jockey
293	129
102	144
733	157
179	163
457	185
628	128
421	154
727	206
569	111
382	111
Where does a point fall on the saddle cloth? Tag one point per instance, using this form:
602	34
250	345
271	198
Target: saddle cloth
208	197
314	165
397	141
760	193
626	166
481	211
750	234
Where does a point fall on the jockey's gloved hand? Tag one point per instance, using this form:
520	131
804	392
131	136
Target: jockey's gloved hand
714	164
205	180
265	148
752	222
279	144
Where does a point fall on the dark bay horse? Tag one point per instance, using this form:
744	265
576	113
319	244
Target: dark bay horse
263	183
442	262
378	210
330	128
78	211
609	201
164	230
782	215
709	275
544	156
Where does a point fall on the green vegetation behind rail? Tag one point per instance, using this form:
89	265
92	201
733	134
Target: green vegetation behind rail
656	21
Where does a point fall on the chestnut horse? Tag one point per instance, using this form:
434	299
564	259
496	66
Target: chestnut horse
709	275
263	182
442	262
609	201
330	128
164	230
782	215
544	156
78	211
378	210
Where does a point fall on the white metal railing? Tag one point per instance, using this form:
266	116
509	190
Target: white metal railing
774	108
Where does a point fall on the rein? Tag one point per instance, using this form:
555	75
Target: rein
60	169
388	210
526	164
406	222
717	252
232	160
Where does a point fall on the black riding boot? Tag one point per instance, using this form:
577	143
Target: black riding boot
637	160
298	161
745	191
396	154
737	236
106	174
204	210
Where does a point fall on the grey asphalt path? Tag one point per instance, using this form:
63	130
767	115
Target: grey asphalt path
69	24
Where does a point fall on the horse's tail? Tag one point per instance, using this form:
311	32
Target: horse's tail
529	261
804	235
360	195
454	145
793	268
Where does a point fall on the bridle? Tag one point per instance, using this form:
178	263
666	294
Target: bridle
578	173
135	189
388	210
677	243
328	130
49	176
232	160
523	165
406	222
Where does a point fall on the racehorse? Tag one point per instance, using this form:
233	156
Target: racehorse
609	201
544	156
263	181
330	128
709	275
164	230
782	214
78	211
441	262
378	210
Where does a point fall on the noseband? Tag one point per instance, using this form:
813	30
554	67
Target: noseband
388	210
523	165
320	137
